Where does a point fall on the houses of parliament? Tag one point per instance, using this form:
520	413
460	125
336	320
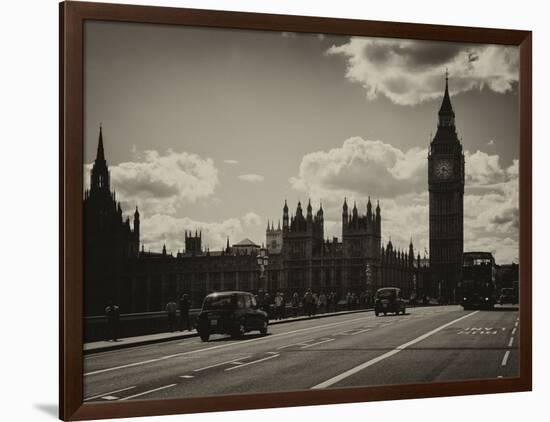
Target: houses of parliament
117	268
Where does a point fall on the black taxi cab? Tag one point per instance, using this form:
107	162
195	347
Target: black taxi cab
232	312
388	299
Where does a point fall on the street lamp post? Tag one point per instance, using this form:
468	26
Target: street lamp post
263	260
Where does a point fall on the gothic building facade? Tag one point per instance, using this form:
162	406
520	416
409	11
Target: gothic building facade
358	263
446	190
109	239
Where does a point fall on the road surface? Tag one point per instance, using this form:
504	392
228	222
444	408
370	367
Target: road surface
427	344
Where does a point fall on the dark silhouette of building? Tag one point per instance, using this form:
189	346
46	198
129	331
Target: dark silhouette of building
109	241
446	189
193	243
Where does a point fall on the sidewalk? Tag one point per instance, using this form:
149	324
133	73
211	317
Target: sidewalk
127	342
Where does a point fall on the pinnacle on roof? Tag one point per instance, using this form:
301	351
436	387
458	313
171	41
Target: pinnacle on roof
100	156
446	106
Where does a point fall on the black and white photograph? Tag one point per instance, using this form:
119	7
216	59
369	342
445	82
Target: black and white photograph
270	211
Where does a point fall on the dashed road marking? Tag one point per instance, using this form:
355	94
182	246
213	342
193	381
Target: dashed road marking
109	398
511	341
148	392
361	331
251	363
222	363
97	396
326	340
505	358
187	376
514	331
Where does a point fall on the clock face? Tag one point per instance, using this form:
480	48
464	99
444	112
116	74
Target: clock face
444	169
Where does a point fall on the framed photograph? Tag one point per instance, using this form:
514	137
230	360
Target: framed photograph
266	210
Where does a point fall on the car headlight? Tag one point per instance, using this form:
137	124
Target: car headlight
486	298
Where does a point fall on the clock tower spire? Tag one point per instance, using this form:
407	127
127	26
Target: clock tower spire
446	188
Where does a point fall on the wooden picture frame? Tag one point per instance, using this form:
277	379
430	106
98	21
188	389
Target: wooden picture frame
72	16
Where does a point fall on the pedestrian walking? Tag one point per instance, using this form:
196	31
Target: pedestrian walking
279	305
171	313
112	313
184	306
349	301
266	303
308	303
322	302
295	302
334	300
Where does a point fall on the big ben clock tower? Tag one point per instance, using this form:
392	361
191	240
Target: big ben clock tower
446	187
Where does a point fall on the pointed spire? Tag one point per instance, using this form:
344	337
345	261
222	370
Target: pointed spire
227	245
345	206
446	103
285	208
136	214
100	156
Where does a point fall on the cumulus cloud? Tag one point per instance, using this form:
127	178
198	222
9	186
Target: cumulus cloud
163	182
483	169
409	72
252	219
364	167
160	229
252	178
398	178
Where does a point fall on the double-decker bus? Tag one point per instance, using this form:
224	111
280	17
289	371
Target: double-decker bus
477	288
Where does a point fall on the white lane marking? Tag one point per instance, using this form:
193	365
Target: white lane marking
109	398
221	346
252	363
511	341
361	331
290	345
221	363
319	342
187	376
505	358
147	392
386	355
108	393
516	324
514	331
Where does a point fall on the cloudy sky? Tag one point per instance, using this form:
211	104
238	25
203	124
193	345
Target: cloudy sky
214	128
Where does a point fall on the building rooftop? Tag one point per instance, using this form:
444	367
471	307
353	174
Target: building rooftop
246	242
